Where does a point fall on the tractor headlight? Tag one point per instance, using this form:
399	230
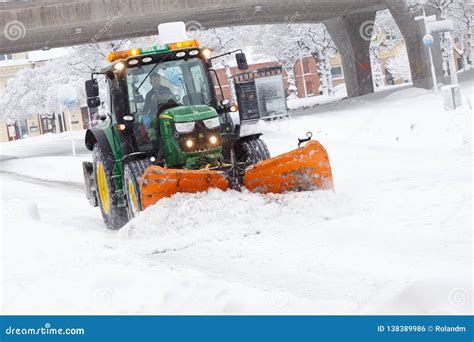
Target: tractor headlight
212	123
184	127
213	140
189	143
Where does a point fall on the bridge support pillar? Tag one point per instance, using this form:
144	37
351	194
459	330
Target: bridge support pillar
413	32
352	36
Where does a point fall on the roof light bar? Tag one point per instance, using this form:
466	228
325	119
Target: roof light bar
122	54
183	45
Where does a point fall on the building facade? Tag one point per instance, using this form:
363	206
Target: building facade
37	124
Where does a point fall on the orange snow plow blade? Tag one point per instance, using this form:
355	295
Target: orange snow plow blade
303	169
158	182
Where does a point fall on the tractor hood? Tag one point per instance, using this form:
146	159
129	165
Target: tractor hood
189	113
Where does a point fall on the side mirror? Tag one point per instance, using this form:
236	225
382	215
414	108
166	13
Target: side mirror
241	61
93	102
92	88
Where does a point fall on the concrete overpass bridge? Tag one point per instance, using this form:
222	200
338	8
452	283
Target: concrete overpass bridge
27	25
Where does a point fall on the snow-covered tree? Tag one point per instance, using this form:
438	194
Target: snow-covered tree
461	12
377	74
34	91
312	39
399	67
385	38
322	47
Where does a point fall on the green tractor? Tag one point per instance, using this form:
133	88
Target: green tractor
168	131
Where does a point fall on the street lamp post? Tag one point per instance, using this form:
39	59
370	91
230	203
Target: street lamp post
428	41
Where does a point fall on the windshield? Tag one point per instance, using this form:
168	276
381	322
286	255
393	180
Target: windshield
169	84
153	88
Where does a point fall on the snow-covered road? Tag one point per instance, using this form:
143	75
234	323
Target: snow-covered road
395	237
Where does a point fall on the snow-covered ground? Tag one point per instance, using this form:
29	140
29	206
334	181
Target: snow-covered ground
394	238
44	145
339	93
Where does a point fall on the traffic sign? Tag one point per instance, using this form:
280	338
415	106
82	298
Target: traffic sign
428	40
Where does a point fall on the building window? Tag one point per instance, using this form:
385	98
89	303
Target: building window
306	68
389	78
6	57
336	72
309	87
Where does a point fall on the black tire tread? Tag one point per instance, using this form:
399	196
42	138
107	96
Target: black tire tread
134	171
252	151
117	216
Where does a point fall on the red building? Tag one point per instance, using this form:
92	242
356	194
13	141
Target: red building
311	77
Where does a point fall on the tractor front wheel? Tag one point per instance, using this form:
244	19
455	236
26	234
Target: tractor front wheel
251	151
132	176
114	217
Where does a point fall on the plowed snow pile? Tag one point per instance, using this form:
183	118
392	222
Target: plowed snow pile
186	219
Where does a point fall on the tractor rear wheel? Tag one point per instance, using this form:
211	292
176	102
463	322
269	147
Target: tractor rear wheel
132	176
251	151
114	217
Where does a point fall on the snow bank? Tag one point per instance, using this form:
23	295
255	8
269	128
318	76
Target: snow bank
55	169
300	103
399	118
42	139
47	144
186	219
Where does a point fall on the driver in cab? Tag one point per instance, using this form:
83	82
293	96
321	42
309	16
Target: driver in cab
157	96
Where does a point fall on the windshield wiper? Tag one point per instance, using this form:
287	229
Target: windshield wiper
154	67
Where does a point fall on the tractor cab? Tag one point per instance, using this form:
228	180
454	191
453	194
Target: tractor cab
163	105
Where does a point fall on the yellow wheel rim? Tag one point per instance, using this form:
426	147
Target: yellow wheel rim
103	188
133	197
